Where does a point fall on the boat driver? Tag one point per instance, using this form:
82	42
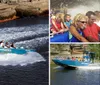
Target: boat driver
12	45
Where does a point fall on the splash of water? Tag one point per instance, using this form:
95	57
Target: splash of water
57	67
15	59
32	36
84	8
90	67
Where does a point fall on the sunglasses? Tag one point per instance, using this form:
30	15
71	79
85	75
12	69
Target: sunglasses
83	22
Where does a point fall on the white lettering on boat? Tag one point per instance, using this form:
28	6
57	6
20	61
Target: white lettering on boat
5	50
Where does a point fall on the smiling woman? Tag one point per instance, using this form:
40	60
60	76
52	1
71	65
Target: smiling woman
78	24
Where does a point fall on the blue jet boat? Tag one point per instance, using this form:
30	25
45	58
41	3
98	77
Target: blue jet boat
70	63
15	50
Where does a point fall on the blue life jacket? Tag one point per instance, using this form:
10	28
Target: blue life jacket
74	39
68	23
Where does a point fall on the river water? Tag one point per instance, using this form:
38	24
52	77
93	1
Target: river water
82	76
32	68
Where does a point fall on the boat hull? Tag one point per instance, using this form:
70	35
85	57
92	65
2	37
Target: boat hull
15	51
70	63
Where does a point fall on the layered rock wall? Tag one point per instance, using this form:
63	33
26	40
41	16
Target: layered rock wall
23	8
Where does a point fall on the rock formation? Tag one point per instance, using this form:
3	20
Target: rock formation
6	11
23	8
32	8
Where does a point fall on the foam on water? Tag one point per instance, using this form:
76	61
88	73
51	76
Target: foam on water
90	67
32	36
22	32
27	34
57	67
15	59
38	42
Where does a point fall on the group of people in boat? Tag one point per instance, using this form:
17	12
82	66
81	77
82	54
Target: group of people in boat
6	45
74	58
79	58
83	27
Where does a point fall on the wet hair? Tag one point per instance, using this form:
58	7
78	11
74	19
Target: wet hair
61	16
6	43
77	18
12	45
58	17
89	13
97	13
53	17
1	41
66	16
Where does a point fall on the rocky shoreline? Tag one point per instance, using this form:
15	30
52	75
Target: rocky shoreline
23	9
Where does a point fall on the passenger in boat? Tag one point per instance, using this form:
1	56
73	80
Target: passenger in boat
97	22
78	24
6	45
77	58
52	18
68	58
83	59
2	43
67	21
57	25
73	58
91	32
12	45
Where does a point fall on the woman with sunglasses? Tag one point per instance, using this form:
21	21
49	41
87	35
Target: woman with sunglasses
78	24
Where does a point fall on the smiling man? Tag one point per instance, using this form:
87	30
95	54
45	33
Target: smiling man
91	32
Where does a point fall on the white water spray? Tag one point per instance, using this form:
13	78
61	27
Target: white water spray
15	59
90	67
84	8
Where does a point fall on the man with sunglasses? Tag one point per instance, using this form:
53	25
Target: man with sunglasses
91	32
